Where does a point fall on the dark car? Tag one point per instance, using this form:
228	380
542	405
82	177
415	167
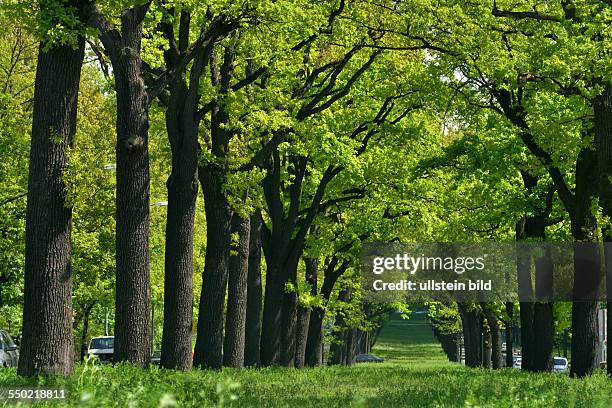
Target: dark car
9	352
368	358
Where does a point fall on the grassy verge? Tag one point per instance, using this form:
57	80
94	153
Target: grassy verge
415	374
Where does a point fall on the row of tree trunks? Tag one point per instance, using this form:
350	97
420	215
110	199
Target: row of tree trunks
314	344
344	348
495	359
450	344
578	205
47	340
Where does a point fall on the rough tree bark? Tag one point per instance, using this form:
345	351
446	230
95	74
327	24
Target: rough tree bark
133	291
234	341
47	340
254	295
209	342
133	297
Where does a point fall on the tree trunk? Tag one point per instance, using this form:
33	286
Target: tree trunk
280	308
337	348
509	334
233	346
487	349
496	340
350	342
302	336
603	143
178	277
303	330
342	336
47	340
527	335
182	128
533	337
213	174
272	315
587	269
525	229
132	294
544	341
289	327
543	319
472	335
314	344
209	343
254	293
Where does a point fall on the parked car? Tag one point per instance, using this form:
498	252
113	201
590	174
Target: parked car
368	358
9	352
156	358
102	348
560	364
518	363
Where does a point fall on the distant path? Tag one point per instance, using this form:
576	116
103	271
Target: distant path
409	341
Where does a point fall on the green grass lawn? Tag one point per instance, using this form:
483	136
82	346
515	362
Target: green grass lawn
416	374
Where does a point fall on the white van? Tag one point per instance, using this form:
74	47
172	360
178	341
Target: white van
9	353
102	348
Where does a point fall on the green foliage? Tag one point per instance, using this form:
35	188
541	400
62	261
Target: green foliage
17	66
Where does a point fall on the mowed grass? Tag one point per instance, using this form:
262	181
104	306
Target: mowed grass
410	342
415	374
